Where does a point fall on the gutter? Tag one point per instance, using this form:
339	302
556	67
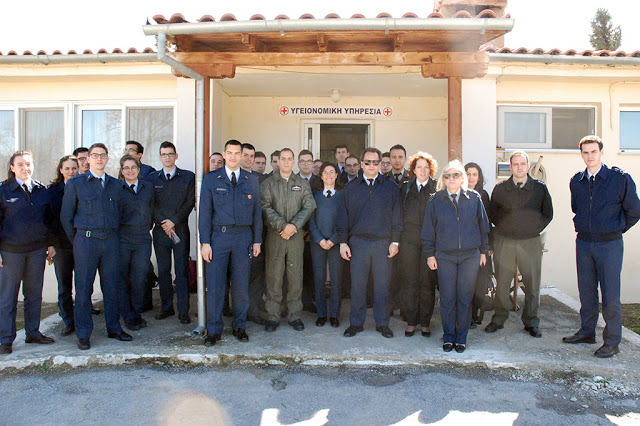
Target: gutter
102	58
184	70
563	59
355	24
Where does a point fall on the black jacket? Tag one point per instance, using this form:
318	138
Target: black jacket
414	204
520	213
174	199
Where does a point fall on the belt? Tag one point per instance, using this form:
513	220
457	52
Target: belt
231	228
599	237
100	234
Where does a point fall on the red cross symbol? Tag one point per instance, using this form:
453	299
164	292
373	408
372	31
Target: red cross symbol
284	110
387	112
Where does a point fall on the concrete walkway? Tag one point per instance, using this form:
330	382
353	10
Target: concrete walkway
168	342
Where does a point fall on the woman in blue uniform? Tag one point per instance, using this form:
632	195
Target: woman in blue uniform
135	245
25	244
324	247
63	261
455	237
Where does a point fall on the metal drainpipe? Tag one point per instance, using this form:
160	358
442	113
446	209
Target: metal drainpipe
183	69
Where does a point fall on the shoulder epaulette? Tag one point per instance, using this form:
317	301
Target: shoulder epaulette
618	170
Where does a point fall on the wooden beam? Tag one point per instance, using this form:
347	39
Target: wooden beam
207	124
398	42
455	118
328	58
249	41
462	70
322	42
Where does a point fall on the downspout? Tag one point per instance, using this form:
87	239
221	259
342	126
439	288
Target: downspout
162	56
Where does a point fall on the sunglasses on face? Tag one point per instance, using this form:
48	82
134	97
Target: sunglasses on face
452	175
370	162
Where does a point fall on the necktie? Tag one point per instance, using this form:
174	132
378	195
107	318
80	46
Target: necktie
591	181
133	187
168	176
519	185
328	194
453	198
370	182
397	177
26	189
233	179
101	181
420	188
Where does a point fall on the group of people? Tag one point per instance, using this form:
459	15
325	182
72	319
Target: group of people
268	240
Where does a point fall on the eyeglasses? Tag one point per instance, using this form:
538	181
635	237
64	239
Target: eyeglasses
168	154
305	162
370	162
452	175
99	156
128	169
126	150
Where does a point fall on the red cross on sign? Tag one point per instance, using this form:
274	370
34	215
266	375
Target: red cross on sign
388	112
284	110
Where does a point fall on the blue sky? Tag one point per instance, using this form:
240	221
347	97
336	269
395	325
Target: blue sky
42	24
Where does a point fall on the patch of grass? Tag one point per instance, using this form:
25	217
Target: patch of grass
631	316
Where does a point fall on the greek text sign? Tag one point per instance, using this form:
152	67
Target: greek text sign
335	111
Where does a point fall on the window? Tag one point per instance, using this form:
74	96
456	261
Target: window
541	127
629	129
150	127
7	139
104	126
44	137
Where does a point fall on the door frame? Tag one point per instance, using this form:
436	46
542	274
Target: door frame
314	125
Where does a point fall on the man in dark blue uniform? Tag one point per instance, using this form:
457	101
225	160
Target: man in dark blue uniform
369	226
174	200
93	206
135	149
230	230
606	205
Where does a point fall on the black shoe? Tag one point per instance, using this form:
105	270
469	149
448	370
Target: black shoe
142	323
122	335
68	330
240	334
133	325
385	331
533	331
84	344
410	333
256	320
41	339
6	348
271	326
335	322
493	327
606	351
447	347
579	338
184	319
460	347
426	331
95	311
352	330
473	326
165	314
211	339
321	321
227	312
297	325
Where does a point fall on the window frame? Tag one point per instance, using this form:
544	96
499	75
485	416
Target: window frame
620	147
514	107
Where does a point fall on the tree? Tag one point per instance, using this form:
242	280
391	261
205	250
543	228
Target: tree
603	35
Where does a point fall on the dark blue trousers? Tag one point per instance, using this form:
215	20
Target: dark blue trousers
369	254
64	264
96	255
257	283
600	263
320	257
456	279
229	248
134	265
28	269
163	247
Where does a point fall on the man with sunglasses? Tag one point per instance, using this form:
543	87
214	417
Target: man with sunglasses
174	199
369	225
521	209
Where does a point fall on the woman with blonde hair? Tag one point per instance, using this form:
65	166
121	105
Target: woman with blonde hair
455	236
418	291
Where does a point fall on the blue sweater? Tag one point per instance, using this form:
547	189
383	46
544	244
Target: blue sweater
448	230
609	209
135	228
374	213
322	224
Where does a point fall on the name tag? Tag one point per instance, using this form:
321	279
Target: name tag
296	188
12	200
159	186
221	189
